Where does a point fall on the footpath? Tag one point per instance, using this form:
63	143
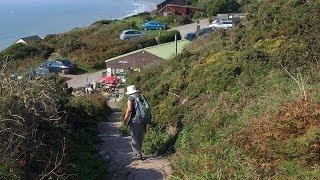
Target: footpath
116	150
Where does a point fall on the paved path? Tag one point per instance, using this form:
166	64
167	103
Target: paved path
116	149
188	28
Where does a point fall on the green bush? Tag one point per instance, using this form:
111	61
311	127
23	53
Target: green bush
183	19
215	7
169	36
102	22
144	42
88	107
166	19
85	112
243	116
36	107
155	141
21	51
124	130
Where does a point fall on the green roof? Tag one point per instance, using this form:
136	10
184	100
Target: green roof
164	51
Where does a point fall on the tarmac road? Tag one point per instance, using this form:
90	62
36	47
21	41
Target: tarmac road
188	28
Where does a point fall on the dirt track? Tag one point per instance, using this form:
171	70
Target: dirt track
116	149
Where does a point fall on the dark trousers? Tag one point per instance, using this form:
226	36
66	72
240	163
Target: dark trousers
137	135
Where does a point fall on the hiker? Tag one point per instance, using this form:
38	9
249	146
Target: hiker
89	88
94	85
137	117
198	27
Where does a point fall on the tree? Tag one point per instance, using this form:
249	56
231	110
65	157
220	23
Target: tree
215	7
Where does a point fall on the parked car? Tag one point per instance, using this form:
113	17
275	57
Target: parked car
60	66
131	34
38	72
205	31
154	25
221	24
190	36
202	32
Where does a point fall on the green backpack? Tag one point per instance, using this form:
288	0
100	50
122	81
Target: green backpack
142	108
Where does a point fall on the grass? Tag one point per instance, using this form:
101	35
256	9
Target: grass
239	114
84	159
86	162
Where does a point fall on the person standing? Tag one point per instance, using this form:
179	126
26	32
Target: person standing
137	117
198	27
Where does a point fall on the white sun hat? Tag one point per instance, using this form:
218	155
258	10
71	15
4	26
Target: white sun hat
131	90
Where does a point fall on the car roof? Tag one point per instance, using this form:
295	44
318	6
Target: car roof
226	21
154	22
127	30
191	33
208	28
62	60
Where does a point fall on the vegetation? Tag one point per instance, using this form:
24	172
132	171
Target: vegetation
85	114
47	134
214	7
243	103
168	36
88	47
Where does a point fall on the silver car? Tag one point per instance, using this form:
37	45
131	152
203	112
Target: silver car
130	34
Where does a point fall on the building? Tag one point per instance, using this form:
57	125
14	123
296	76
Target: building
132	61
171	9
29	40
174	2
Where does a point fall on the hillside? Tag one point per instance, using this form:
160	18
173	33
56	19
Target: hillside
89	47
245	102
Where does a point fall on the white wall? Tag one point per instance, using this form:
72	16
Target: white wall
21	41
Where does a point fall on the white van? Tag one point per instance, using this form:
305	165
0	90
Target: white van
221	24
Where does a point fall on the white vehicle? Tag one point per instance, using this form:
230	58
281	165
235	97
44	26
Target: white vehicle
131	34
221	24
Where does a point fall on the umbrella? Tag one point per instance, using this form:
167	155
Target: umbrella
109	79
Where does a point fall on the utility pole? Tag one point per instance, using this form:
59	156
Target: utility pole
176	41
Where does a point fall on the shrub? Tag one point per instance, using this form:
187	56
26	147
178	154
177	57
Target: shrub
85	113
88	107
242	115
155	141
28	107
169	36
144	42
215	7
102	22
21	51
166	19
183	19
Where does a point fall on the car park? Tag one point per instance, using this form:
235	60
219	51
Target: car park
221	24
154	25
131	34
